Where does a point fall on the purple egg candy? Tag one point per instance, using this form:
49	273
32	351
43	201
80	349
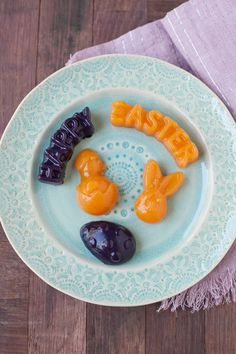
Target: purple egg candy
111	243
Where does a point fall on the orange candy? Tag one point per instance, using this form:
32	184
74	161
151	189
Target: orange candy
163	128
151	205
96	194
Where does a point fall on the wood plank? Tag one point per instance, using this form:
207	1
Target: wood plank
65	27
57	323
18	38
158	8
168	332
13	276
220	329
113	18
160	331
3	237
112	330
190	332
13	302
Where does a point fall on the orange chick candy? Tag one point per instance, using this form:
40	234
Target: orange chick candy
96	194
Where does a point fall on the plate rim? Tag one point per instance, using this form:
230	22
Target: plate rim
107	303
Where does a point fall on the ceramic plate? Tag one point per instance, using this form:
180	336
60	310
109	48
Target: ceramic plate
42	221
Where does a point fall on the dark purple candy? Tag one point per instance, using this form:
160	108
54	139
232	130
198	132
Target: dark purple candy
85	119
79	125
56	156
74	127
49	173
111	243
64	138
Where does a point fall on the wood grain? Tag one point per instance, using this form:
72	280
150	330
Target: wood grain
57	322
158	9
160	331
180	332
113	330
3	237
113	18
19	21
190	332
18	41
64	27
13	302
220	330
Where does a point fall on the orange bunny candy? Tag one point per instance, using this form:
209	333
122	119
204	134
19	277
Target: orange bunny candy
96	194
151	205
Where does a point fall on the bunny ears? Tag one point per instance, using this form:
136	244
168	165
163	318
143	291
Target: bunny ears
151	205
153	179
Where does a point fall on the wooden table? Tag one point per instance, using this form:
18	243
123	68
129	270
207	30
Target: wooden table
37	37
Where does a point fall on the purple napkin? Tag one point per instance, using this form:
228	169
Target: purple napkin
198	36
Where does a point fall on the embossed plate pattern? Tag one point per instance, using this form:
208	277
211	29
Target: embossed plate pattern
168	259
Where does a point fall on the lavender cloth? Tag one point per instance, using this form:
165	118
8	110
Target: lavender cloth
198	36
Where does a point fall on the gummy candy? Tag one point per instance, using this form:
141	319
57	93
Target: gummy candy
56	156
151	205
111	243
96	194
163	128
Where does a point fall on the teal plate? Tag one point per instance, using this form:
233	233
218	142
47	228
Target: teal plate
43	221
